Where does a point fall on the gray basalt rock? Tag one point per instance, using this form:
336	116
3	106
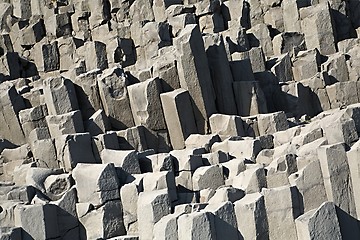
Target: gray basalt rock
100	186
170	119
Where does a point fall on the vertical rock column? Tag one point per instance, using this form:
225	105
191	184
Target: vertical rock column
194	74
336	174
220	73
316	24
179	116
282	207
10	105
145	104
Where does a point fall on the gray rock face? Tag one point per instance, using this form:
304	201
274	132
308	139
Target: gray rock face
195	76
319	223
100	186
145	104
169	119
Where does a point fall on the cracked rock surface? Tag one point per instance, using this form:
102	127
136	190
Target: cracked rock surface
179	119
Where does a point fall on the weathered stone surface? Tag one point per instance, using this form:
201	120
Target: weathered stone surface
208	177
188	226
11	105
251	216
96	183
151	207
66	215
310	184
96	57
272	122
224	219
352	159
67	123
227	125
333	159
115	98
251	180
37	220
239	148
306	64
282	208
322	36
73	149
104	222
168	119
127	160
129	194
145	104
194	74
60	95
321	223
167	227
179	117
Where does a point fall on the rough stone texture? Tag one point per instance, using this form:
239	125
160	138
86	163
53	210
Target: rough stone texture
115	98
127	160
321	223
60	96
251	216
179	116
188	223
333	158
152	206
282	207
96	183
195	76
168	119
145	104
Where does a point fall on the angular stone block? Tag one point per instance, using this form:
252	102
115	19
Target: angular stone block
282	207
96	183
227	125
320	36
73	149
336	175
104	222
161	180
310	184
59	95
67	123
197	225
352	159
194	74
225	221
339	128
37	220
272	122
128	160
251	216
129	194
96	57
179	116
151	207
145	104
320	223
251	180
167	227
239	148
208	177
116	104
11	103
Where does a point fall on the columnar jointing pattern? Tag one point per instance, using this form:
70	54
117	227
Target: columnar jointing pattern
179	119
